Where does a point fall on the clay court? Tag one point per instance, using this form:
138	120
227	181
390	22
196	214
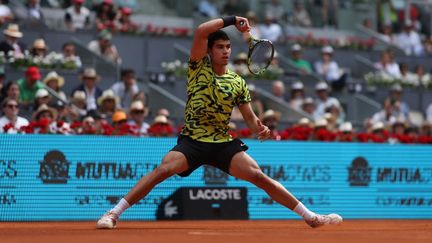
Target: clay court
351	231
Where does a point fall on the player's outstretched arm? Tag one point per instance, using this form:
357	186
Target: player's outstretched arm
199	43
253	122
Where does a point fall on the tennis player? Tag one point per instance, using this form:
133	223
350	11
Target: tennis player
213	90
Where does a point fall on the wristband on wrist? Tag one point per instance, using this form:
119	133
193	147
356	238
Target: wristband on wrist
229	20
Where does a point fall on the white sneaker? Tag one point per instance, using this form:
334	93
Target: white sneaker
107	221
320	220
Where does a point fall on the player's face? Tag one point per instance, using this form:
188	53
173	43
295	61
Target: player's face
220	52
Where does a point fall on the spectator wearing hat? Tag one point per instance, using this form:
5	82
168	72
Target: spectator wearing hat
138	113
39	49
271	119
125	23
120	124
329	69
308	106
126	88
103	47
79	104
387	64
107	103
297	61
105	15
301	131
161	127
270	29
42	97
88	126
43	118
77	16
336	112
11	46
89	78
29	85
278	89
10	122
389	114
297	95
397	133
323	99
6	14
379	133
68	55
401	108
54	81
346	133
321	131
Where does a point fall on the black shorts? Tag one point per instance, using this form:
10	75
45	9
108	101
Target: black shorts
199	153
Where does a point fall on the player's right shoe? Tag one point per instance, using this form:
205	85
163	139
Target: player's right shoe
107	221
320	220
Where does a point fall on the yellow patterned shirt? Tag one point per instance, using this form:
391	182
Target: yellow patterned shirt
211	99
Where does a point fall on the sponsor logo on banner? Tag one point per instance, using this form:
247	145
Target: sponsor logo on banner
215	194
54	168
359	173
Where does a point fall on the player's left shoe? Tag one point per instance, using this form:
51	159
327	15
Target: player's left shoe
320	220
107	221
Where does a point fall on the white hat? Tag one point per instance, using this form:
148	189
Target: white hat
53	75
296	47
321	86
396	87
108	94
298	85
137	105
322	122
13	31
377	126
271	113
161	119
327	49
307	100
346	127
79	95
304	121
252	87
41	93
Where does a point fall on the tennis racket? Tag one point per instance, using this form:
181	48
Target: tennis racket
260	54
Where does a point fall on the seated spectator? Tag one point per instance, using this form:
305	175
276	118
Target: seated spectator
330	70
297	60
31	13
120	125
346	133
429	113
270	29
89	78
125	23
208	8
107	103
409	40
11	46
300	16
297	95
401	107
79	104
234	7
29	85
103	47
55	82
105	16
39	49
388	115
408	77
161	127
42	97
301	131
126	88
387	64
77	16
336	112
278	89
387	35
308	106
271	120
6	14
422	76
88	126
138	113
43	118
397	133
10	122
276	10
323	99
10	90
379	133
68	55
321	132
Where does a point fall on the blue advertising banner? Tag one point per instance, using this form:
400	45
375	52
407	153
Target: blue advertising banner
52	177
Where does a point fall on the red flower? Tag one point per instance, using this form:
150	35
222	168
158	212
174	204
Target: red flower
7	127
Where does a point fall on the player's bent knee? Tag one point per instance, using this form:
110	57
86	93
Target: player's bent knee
163	172
258	178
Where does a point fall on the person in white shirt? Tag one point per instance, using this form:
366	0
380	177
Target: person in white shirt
10	122
387	65
103	47
329	69
138	113
270	30
323	100
77	16
126	88
409	40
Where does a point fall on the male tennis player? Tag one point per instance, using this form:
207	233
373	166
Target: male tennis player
213	90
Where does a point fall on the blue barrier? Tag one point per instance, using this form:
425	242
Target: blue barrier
51	177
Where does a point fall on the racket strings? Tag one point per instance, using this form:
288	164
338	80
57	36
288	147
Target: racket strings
260	57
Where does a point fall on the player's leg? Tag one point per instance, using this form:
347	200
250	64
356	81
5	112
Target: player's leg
245	168
173	163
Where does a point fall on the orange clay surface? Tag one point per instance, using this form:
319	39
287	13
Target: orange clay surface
351	231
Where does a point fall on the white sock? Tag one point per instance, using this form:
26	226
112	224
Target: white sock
305	213
120	207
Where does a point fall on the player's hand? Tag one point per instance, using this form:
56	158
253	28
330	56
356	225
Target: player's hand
242	24
264	132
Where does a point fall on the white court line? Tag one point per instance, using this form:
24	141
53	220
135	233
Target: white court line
213	233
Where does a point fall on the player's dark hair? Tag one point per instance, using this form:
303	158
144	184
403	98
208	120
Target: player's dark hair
218	35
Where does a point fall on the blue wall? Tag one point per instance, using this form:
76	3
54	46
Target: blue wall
49	177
